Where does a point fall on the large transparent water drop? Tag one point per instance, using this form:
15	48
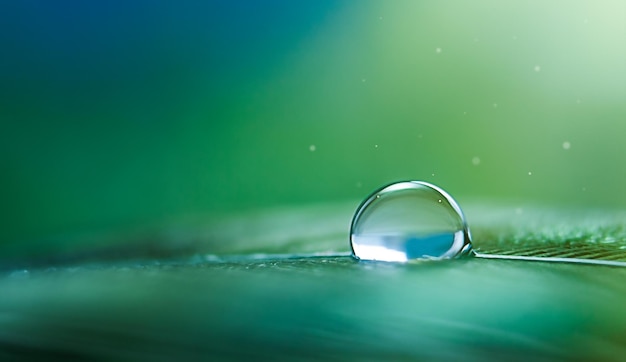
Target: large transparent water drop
409	220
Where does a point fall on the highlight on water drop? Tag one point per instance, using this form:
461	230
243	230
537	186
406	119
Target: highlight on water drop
409	220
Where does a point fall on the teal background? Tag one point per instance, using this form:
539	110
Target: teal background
177	178
119	115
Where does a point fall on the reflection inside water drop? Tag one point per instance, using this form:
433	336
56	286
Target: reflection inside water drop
409	220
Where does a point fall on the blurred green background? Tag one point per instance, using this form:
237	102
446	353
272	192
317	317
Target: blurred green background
117	115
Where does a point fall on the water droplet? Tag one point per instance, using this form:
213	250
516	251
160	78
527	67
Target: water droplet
438	50
537	68
20	274
495	105
312	148
375	146
476	161
530	173
566	145
409	220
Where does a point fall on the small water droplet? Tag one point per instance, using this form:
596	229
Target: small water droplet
312	148
409	220
476	161
20	274
438	50
530	173
519	211
537	68
566	145
495	105
375	146
363	80
608	240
